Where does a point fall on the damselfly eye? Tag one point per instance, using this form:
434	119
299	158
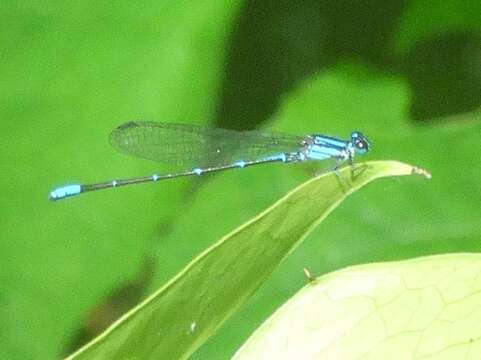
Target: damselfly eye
361	146
360	142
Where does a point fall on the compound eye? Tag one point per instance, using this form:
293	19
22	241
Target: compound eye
362	146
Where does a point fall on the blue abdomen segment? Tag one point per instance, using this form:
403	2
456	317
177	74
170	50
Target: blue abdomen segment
65	191
278	157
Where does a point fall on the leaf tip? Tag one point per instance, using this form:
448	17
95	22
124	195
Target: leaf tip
421	171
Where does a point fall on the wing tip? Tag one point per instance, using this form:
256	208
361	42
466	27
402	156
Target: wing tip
128	125
116	134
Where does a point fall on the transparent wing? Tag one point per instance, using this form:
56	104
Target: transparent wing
192	145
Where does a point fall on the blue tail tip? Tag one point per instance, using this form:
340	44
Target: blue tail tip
65	191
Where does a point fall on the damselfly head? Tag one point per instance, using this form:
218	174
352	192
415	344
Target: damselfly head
360	142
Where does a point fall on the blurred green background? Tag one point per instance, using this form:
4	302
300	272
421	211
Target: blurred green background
406	73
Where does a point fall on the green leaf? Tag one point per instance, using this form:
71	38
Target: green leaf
178	318
423	19
427	307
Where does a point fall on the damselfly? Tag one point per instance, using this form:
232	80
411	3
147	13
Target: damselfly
203	150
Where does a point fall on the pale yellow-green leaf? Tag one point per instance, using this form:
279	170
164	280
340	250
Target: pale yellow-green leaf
425	308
